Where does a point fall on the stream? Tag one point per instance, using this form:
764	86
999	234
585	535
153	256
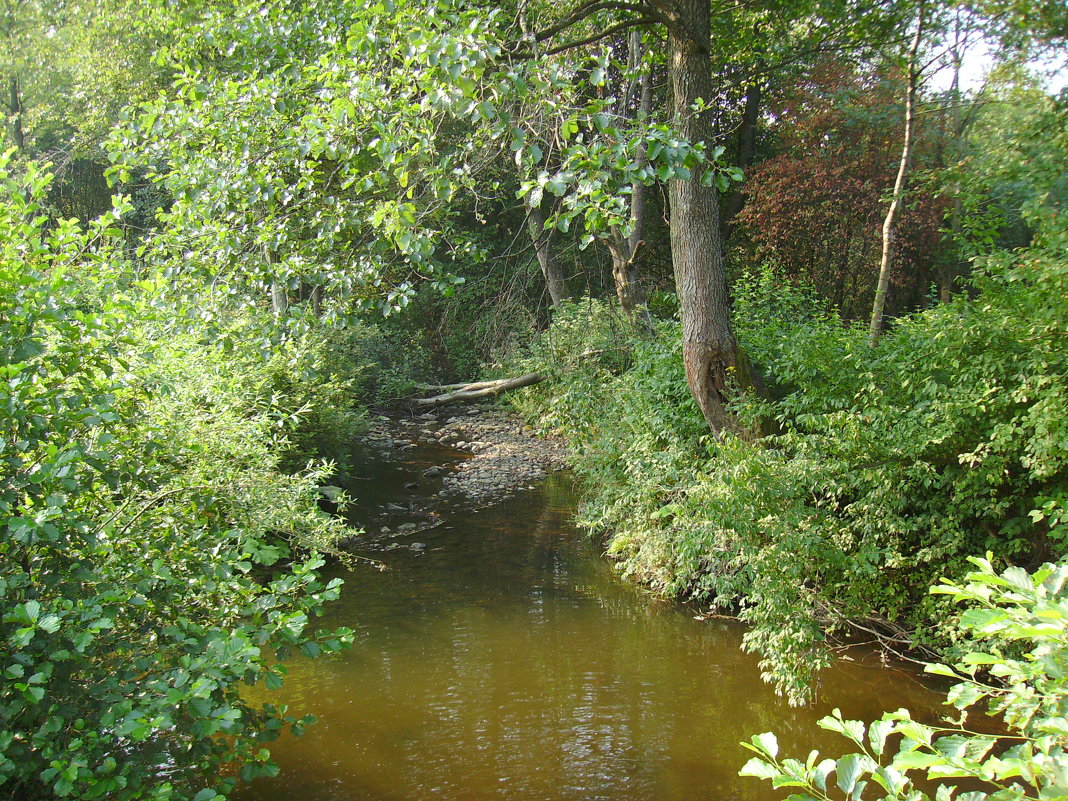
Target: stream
502	657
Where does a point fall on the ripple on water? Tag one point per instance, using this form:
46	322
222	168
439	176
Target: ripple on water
510	662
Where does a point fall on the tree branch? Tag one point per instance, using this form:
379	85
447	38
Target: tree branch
648	14
582	12
604	34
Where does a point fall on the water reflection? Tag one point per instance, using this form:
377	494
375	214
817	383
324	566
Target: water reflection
509	662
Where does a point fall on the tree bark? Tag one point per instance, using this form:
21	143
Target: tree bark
899	187
708	344
544	240
624	257
953	266
279	296
17	132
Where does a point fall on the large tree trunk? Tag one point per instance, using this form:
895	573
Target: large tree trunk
708	344
544	240
17	132
899	188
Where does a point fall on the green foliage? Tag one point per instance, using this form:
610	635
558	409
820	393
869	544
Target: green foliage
1000	188
339	144
1018	624
890	466
394	353
153	556
78	62
882	469
302	139
572	142
590	351
300	385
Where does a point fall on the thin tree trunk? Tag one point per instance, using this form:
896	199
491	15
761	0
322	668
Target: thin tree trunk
480	389
17	133
279	296
544	240
708	344
899	188
952	267
625	272
625	251
747	132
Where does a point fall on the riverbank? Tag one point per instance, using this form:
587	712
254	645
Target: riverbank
883	470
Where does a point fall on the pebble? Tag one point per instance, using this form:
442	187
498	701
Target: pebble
507	456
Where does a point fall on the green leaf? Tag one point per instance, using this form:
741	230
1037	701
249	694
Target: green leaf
557	186
939	669
979	658
877	733
759	769
848	770
768	743
917	759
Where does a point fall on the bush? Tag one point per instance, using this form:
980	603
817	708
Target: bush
306	379
885	468
152	554
1016	622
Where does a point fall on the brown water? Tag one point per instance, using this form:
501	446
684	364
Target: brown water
508	661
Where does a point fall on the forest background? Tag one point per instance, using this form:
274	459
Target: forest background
801	314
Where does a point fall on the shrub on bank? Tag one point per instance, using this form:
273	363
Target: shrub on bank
153	556
1017	624
887	467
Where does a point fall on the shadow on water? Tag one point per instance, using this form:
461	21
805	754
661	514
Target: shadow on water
508	661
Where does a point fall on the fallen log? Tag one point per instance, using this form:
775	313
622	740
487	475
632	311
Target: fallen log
477	389
462	385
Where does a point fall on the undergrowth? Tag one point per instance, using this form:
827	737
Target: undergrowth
885	470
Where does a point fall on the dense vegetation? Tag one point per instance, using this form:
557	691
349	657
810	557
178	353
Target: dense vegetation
803	315
1018	624
155	554
881	469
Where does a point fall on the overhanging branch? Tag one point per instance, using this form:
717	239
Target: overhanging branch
647	14
604	34
584	11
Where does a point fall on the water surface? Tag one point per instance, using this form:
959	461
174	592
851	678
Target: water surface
508	661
